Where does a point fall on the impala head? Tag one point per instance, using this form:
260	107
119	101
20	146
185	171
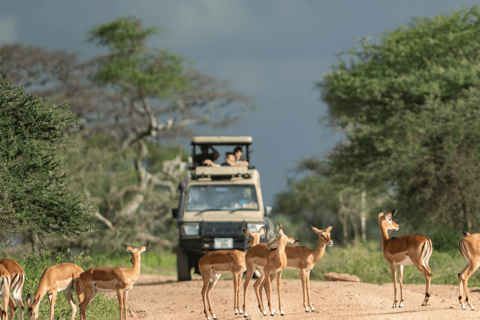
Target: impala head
387	220
254	237
32	308
135	252
280	239
324	235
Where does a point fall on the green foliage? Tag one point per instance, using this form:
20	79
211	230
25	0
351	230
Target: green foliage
152	72
409	102
34	196
445	240
104	172
34	266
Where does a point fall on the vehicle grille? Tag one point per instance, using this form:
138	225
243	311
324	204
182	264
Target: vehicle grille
217	229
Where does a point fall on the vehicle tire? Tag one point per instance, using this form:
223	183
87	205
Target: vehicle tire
183	267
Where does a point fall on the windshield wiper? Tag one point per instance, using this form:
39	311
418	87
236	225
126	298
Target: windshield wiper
211	209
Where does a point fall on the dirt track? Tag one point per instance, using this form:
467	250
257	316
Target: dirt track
159	297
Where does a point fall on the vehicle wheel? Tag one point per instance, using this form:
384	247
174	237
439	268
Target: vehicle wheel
183	267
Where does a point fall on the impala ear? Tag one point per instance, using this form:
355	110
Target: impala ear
261	231
144	247
466	234
317	231
380	214
247	232
128	248
29	299
330	227
272	246
393	211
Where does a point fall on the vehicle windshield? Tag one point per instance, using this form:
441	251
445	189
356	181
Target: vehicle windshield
222	197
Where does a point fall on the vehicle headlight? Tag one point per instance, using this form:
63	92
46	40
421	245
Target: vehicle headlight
190	230
254	227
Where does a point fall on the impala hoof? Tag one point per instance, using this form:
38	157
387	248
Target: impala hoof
473	308
264	313
282	313
424	303
400	305
306	309
245	315
394	305
273	312
214	317
313	309
241	311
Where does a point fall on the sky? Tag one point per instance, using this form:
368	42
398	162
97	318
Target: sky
272	50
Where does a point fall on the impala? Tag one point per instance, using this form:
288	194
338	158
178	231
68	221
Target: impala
469	248
17	280
404	251
214	263
101	279
4	291
304	259
268	263
60	277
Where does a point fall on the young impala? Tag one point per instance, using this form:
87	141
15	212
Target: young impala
60	277
403	251
102	279
17	280
214	263
268	264
470	250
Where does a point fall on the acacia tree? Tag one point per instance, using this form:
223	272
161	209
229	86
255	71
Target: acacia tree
408	103
34	197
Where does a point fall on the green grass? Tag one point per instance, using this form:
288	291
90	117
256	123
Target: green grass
367	262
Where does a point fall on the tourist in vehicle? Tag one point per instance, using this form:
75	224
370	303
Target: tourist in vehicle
205	158
238	160
229	158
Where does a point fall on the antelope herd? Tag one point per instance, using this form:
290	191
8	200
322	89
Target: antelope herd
265	260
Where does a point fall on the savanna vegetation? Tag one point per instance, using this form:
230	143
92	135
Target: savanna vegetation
90	156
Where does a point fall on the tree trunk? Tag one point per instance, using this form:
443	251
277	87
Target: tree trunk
363	216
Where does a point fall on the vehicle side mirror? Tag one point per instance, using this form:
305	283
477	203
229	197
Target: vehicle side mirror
182	186
268	211
175	213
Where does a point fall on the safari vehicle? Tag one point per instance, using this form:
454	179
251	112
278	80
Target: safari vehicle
216	204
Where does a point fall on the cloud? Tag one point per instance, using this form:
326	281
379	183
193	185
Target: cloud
7	30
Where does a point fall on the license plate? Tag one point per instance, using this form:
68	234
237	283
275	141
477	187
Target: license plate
223	243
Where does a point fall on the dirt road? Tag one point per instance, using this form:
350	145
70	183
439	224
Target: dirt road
159	297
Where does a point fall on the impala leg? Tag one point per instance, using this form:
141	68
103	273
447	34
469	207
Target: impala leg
6	298
12	307
68	295
461	288
120	302
308	291
394	275
279	289
428	278
52	298
206	283
17	294
239	285
215	278
235	296
400	281
269	295
125	303
303	277
248	277
463	279
257	286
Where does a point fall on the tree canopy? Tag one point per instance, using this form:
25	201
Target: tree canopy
34	197
408	101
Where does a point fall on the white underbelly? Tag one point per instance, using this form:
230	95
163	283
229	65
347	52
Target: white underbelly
405	262
260	270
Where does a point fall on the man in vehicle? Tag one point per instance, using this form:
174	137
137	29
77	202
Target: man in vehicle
205	158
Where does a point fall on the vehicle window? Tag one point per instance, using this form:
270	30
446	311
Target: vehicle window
222	197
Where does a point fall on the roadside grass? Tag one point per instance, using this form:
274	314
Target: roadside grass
364	260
